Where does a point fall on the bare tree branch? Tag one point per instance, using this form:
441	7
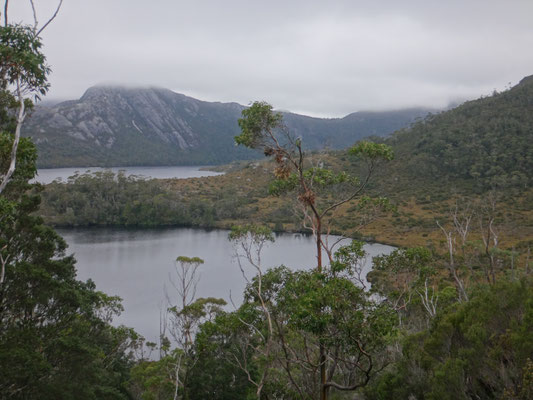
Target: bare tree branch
51	19
6	6
35	22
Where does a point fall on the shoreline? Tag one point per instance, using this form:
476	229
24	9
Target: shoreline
369	240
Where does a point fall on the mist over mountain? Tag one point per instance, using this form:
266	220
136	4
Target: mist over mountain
117	126
484	143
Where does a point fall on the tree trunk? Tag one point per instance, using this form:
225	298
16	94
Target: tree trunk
322	349
20	119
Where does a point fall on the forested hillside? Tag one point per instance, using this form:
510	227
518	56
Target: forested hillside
484	143
455	308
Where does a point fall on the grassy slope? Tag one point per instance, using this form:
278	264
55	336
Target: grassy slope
414	222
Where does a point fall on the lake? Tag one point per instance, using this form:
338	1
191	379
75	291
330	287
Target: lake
136	264
47	175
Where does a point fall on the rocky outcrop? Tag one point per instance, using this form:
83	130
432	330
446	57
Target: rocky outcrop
153	126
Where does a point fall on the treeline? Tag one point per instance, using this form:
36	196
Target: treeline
106	198
481	348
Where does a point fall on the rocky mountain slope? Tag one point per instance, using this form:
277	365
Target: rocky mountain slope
115	126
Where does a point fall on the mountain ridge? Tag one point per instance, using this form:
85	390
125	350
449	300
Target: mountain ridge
119	126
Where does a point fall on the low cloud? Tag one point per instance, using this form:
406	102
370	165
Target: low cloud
319	58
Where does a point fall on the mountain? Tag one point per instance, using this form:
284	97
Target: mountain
116	126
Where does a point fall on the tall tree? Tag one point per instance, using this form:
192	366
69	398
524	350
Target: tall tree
263	129
23	76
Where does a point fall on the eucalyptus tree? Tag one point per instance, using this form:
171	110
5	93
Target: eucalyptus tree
316	188
319	191
56	340
273	339
23	77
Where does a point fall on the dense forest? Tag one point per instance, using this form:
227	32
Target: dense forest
448	315
486	143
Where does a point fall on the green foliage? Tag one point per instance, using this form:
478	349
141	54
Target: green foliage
56	341
153	380
321	177
372	151
26	157
476	349
204	372
256	122
52	333
333	306
257	233
105	198
305	309
404	260
201	308
347	258
311	308
8	104
22	60
215	375
479	145
281	186
189	260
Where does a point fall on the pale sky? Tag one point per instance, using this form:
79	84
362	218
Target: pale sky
316	57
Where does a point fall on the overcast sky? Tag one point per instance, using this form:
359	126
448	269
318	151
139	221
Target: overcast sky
317	57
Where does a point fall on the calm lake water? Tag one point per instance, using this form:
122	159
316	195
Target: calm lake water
136	265
48	175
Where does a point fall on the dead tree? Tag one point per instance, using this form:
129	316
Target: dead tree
452	266
182	323
248	243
